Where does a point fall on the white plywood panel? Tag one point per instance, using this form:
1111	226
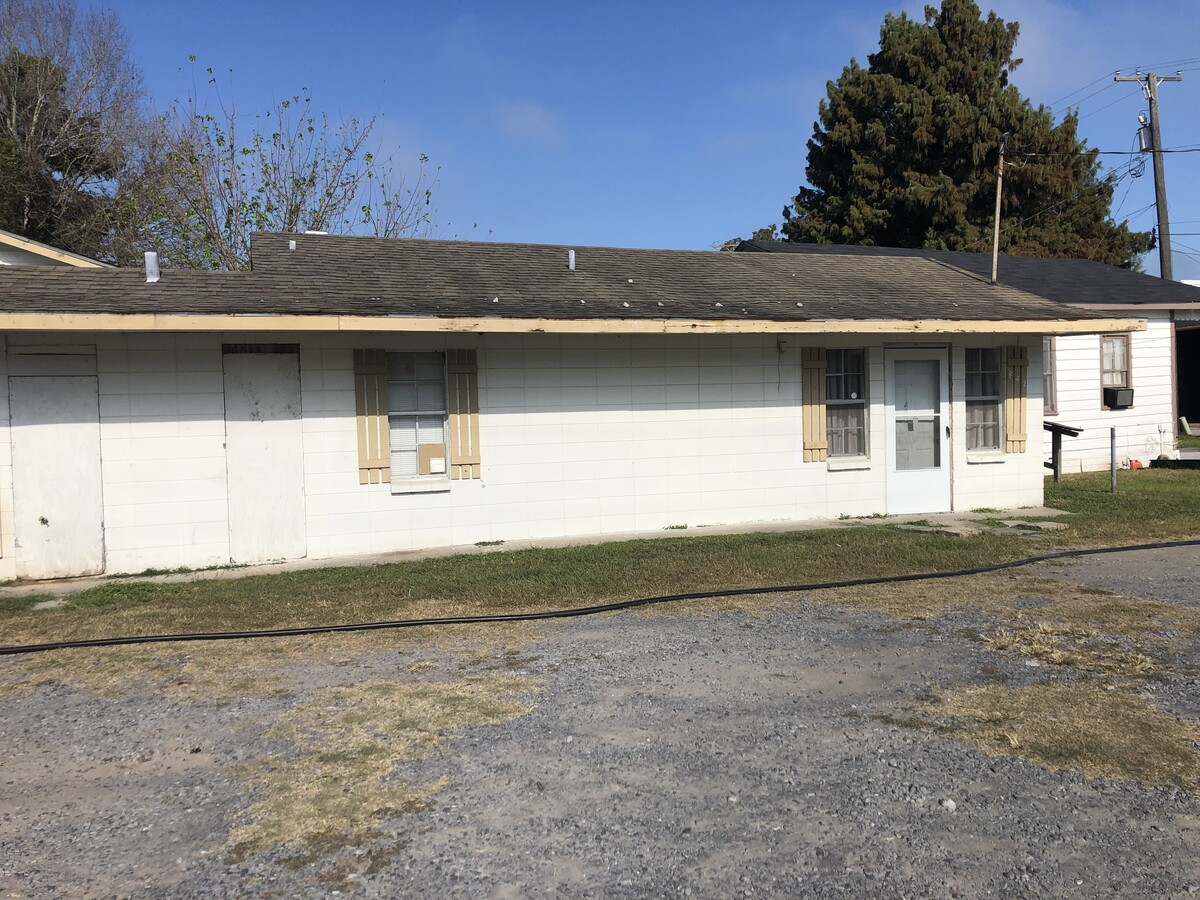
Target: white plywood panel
58	497
265	457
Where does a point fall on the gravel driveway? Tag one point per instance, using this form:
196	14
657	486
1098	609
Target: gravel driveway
727	753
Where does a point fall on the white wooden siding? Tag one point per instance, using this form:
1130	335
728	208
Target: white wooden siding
1144	430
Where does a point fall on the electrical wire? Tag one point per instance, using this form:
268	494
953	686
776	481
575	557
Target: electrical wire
576	612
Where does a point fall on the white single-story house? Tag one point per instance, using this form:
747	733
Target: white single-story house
355	395
1160	365
22	251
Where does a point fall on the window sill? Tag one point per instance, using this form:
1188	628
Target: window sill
847	463
421	485
985	457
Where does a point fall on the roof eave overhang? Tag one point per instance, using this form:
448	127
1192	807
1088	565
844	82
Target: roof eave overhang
177	322
1135	307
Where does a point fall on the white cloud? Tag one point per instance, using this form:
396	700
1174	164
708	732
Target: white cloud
528	123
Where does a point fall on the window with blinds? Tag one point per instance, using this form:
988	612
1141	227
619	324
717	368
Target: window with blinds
984	397
417	412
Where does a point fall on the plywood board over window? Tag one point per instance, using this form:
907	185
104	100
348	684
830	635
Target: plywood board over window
462	383
1016	390
371	412
813	369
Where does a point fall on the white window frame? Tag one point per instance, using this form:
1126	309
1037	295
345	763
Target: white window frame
980	400
843	354
414	482
1049	376
1126	371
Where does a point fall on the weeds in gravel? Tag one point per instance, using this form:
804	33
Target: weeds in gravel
1066	646
338	781
1103	730
1066	605
219	672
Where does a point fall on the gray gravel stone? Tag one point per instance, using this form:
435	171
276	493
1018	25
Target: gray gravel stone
724	754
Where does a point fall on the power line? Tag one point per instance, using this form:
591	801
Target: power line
1186	149
1106	106
1167	63
1149	84
1083	100
1103	77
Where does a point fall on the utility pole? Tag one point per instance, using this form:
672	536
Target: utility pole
996	221
1150	82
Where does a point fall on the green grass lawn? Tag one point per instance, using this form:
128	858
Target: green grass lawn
1150	505
1189	442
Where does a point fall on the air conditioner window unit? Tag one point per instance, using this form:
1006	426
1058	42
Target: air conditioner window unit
1118	398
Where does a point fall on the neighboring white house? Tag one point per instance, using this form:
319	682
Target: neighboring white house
357	395
1161	364
21	251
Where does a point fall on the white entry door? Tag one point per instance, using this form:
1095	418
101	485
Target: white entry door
916	388
58	499
264	455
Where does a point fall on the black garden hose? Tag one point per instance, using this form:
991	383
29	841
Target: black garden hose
580	610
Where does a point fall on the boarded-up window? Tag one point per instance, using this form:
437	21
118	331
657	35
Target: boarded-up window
1016	390
813	410
418	416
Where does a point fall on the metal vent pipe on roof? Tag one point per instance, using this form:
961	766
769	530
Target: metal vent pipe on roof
152	271
571	260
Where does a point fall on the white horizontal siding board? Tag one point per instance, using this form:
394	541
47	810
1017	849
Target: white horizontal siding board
1143	431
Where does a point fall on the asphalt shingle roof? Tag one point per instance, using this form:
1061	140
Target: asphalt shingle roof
360	276
1061	280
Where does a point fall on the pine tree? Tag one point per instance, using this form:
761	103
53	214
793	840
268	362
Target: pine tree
905	152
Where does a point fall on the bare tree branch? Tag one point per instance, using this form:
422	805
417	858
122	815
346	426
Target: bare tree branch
225	176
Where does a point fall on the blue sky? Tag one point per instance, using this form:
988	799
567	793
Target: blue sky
651	124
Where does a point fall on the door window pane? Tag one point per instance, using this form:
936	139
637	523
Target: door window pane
917	386
918	443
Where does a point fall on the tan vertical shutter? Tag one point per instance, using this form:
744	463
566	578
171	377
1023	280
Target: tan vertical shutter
462	377
1016	389
370	402
812	365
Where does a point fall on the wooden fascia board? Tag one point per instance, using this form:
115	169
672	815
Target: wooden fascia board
178	322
